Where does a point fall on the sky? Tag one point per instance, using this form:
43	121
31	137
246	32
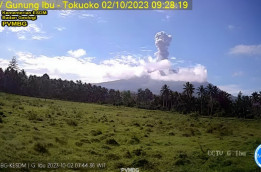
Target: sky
218	41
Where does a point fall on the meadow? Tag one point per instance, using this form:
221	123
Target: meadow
44	130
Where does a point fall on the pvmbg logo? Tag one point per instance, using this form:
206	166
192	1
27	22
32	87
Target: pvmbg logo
258	156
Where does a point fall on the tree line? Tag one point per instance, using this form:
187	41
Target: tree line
205	101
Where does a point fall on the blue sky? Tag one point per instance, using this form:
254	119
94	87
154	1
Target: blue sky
218	41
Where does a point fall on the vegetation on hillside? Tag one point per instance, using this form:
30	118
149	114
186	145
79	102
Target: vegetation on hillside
210	101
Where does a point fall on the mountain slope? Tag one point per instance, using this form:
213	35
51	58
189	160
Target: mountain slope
134	84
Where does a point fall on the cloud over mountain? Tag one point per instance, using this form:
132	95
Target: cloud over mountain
75	65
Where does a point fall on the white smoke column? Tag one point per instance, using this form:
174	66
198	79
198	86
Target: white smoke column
162	41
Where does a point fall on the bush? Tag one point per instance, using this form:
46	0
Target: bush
182	159
139	152
119	165
113	156
32	116
140	163
191	132
96	132
127	154
41	148
172	133
134	140
79	144
220	129
182	162
60	141
112	142
71	122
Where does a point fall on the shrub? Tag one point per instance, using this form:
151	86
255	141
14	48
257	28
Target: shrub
113	156
140	163
71	122
220	129
191	132
32	116
85	141
96	132
171	133
60	141
112	142
134	140
106	147
119	165
182	162
138	152
127	154
78	144
157	155
41	148
182	159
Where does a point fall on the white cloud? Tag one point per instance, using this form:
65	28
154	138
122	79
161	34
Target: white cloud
124	67
85	15
31	32
234	89
77	53
231	27
38	37
2	29
21	36
3	63
246	50
65	13
166	18
60	28
145	49
239	73
30	28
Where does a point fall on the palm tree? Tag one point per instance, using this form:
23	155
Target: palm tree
188	92
201	94
188	89
165	94
210	91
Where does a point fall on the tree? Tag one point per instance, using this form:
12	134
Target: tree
2	75
256	103
127	98
144	98
188	89
164	92
201	93
188	97
210	92
13	64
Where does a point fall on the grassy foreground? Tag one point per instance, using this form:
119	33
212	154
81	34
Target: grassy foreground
39	130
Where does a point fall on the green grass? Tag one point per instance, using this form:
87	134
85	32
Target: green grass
39	130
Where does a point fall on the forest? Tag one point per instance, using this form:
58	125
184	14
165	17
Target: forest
201	101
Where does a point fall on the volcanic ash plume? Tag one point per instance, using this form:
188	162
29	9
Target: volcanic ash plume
162	41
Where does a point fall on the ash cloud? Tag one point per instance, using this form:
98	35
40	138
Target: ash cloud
162	42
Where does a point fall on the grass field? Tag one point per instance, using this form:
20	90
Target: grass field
39	130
